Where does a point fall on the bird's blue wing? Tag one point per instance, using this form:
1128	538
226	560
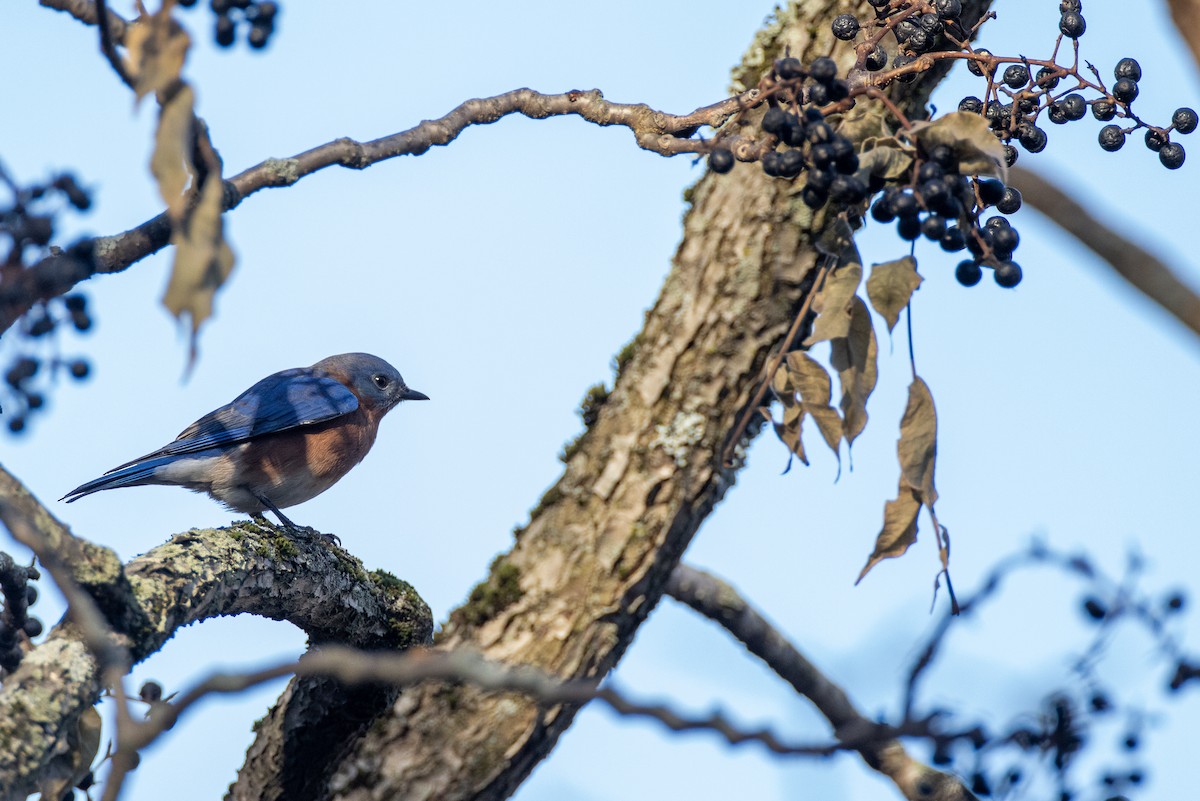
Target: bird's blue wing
281	401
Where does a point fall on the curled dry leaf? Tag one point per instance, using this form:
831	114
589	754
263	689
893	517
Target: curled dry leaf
917	446
813	385
917	449
203	260
855	357
156	48
899	529
171	162
789	431
832	303
891	286
979	151
883	157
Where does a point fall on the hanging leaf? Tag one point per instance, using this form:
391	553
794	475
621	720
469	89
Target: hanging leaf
156	47
891	286
171	162
789	431
917	446
979	152
855	357
813	385
884	158
899	529
203	260
832	303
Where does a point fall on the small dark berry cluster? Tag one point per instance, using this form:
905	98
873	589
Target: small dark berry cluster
16	624
946	207
259	14
801	140
917	27
22	396
1032	94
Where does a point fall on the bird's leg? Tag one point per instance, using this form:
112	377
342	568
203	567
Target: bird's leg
287	523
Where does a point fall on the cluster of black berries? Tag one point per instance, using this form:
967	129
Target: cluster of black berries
809	143
22	397
1034	93
260	14
945	207
16	625
27	222
917	27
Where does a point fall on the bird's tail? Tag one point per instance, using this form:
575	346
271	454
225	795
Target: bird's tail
126	476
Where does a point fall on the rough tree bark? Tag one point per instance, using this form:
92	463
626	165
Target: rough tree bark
194	576
601	544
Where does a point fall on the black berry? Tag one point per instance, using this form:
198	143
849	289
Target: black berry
876	59
720	160
1103	110
934	227
1094	609
1032	138
1008	274
1011	202
991	192
970	104
258	36
1125	90
225	31
1155	139
773	120
968	272
974	66
1047	78
1128	68
79	369
1073	106
1072	26
1184	120
948	9
845	27
1016	75
1172	155
1112	138
789	68
909	228
823	69
952	240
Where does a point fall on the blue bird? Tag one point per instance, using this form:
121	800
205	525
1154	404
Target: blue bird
285	440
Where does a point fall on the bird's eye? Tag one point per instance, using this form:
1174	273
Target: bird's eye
381	380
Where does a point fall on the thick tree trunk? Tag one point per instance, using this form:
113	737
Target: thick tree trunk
599	548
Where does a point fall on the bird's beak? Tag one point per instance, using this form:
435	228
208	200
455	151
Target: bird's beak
412	394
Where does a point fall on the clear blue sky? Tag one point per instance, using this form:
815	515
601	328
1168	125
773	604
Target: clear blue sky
502	273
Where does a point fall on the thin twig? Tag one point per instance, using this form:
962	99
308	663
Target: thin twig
107	47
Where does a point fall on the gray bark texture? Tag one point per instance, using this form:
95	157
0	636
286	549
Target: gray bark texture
600	546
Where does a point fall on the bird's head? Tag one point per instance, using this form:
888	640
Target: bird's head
378	385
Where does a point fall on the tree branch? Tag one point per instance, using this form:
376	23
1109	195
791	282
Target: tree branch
656	131
194	576
1186	14
720	602
1142	269
86	12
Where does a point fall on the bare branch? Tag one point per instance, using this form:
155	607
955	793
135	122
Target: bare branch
1146	272
107	45
720	602
656	131
86	12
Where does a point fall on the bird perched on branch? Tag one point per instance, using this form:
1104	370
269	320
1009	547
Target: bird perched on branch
285	440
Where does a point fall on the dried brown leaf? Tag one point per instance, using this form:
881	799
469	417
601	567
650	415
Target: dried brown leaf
884	158
813	385
171	162
979	151
891	286
156	47
203	260
832	303
855	357
899	529
790	429
917	446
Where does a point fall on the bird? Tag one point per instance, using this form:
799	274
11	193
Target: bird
282	442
